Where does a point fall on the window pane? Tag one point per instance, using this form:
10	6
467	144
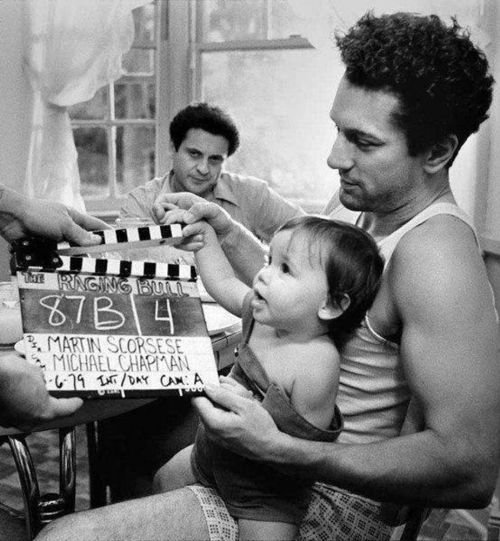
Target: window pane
92	148
139	61
281	102
96	108
135	100
135	156
144	22
225	20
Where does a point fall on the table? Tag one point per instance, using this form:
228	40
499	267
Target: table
225	332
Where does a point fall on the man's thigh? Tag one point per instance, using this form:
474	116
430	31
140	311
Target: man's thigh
173	516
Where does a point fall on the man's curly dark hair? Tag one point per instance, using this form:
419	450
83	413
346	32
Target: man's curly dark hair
440	77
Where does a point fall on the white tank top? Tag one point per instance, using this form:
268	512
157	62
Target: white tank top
373	394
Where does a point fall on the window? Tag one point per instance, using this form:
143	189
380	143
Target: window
252	58
246	56
272	64
115	132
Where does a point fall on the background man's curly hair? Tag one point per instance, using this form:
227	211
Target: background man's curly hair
439	75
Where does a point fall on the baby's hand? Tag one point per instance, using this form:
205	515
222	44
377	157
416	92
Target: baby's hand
232	385
174	215
193	242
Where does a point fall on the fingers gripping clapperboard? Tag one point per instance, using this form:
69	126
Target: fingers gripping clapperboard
112	328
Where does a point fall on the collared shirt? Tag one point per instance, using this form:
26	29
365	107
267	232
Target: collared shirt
248	200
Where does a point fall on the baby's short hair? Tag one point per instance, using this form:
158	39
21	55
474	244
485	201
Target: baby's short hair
352	264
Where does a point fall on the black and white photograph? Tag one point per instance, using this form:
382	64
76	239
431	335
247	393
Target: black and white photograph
250	270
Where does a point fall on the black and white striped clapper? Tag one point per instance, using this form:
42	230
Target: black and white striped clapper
119	267
150	235
34	256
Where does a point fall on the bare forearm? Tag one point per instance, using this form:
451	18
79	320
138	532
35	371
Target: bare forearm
218	276
244	251
415	469
455	465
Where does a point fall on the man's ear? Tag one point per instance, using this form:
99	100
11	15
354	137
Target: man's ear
441	153
332	310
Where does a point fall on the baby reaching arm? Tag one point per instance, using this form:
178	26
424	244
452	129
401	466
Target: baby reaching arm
217	274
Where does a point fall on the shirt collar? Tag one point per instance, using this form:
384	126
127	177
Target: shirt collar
223	190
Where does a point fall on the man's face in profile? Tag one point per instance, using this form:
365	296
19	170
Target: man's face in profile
377	174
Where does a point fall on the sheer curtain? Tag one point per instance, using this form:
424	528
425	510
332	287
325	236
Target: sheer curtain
74	48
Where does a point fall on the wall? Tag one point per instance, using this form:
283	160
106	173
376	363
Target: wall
491	191
15	108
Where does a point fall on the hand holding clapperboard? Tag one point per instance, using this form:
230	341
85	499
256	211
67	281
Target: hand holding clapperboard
112	328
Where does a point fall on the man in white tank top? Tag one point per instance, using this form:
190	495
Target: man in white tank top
413	91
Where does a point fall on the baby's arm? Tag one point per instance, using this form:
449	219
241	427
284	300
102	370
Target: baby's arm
316	381
217	274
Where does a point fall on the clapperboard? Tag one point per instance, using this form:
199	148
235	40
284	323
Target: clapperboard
109	328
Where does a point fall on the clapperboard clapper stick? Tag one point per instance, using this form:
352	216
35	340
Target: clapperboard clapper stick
109	328
151	235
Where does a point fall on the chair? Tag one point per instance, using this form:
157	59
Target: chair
494	521
39	509
416	517
407	520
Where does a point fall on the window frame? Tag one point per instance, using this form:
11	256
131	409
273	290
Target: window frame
178	58
108	208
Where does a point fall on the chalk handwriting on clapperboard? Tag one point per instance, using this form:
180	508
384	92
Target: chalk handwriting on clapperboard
113	328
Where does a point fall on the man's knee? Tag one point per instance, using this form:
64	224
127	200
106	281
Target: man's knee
64	528
173	516
176	473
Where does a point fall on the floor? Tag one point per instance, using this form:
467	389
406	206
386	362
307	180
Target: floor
44	449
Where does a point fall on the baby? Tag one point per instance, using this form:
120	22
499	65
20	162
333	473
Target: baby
320	278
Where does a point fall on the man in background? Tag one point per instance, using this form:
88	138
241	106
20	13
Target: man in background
202	137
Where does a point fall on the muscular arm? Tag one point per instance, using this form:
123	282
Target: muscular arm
449	354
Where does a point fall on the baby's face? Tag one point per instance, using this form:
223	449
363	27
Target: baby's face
292	286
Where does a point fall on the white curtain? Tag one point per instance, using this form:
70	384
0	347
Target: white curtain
74	48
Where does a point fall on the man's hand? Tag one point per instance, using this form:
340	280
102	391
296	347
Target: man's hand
240	424
181	200
21	216
199	209
24	400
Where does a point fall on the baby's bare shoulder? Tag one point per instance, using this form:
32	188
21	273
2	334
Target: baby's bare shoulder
318	363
